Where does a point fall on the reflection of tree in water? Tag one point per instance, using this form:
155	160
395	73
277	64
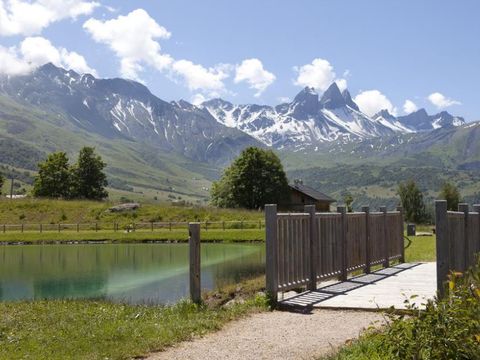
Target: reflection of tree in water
92	287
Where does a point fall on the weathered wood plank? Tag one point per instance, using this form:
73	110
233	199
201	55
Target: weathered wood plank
194	255
271	249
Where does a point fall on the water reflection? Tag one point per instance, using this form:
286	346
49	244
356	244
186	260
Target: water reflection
135	273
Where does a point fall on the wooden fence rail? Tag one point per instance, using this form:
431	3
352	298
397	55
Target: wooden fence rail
303	248
131	227
458	240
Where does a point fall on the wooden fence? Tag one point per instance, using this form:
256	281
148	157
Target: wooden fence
458	239
132	227
304	248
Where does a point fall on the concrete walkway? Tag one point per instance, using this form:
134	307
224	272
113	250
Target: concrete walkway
379	290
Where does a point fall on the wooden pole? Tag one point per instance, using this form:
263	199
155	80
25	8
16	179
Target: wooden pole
463	207
314	243
343	242
386	242
441	228
194	251
402	232
11	188
366	210
476	241
271	249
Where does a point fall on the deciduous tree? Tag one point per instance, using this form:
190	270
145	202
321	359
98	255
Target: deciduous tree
88	179
53	179
450	193
254	179
412	201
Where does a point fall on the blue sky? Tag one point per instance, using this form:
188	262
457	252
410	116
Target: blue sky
387	52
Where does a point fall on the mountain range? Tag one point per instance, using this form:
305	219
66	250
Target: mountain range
159	148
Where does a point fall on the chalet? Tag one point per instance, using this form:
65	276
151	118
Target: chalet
301	195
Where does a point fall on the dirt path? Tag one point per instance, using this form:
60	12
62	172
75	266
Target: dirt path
276	335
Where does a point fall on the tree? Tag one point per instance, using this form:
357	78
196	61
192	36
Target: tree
450	193
348	200
88	178
412	201
53	179
254	179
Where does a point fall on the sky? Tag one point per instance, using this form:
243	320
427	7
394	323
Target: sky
394	55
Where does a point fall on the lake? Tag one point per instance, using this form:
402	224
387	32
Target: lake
133	273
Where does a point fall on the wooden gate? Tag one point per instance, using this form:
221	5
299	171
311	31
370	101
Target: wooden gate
304	248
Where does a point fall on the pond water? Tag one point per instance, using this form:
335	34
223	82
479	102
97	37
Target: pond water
133	273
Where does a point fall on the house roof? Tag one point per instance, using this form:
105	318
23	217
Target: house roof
317	195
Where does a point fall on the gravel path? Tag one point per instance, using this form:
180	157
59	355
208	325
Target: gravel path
276	335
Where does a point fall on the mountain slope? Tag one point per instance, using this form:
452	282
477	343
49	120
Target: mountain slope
308	122
123	109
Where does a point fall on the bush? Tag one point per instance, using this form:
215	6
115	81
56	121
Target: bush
448	329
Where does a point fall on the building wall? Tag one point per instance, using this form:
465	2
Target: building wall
298	200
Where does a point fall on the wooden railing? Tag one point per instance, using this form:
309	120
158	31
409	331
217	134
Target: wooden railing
304	248
458	239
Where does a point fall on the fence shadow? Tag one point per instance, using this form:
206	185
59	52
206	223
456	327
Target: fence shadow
306	300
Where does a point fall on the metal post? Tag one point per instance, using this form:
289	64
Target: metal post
312	284
402	231
441	228
271	255
194	251
366	210
463	207
386	243
343	242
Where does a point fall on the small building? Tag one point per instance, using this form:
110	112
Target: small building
301	195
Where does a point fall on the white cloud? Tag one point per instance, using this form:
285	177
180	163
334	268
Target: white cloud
20	17
372	101
318	74
441	101
409	107
36	51
132	38
252	72
197	99
197	77
284	99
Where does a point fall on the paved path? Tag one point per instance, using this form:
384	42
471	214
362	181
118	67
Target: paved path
276	335
381	289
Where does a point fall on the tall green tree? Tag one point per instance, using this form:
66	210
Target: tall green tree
450	193
88	179
254	179
412	201
53	179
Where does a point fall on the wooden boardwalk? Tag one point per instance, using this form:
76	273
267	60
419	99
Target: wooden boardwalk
381	289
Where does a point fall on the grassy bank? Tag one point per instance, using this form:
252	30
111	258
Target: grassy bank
231	235
36	211
75	329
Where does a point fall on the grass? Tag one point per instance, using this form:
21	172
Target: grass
74	329
230	235
35	211
422	248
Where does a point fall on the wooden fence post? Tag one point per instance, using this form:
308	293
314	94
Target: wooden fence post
314	243
476	241
41	228
4	228
170	226
386	243
366	210
194	256
271	273
343	242
59	227
442	245
463	207
223	225
22	227
402	231
78	227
